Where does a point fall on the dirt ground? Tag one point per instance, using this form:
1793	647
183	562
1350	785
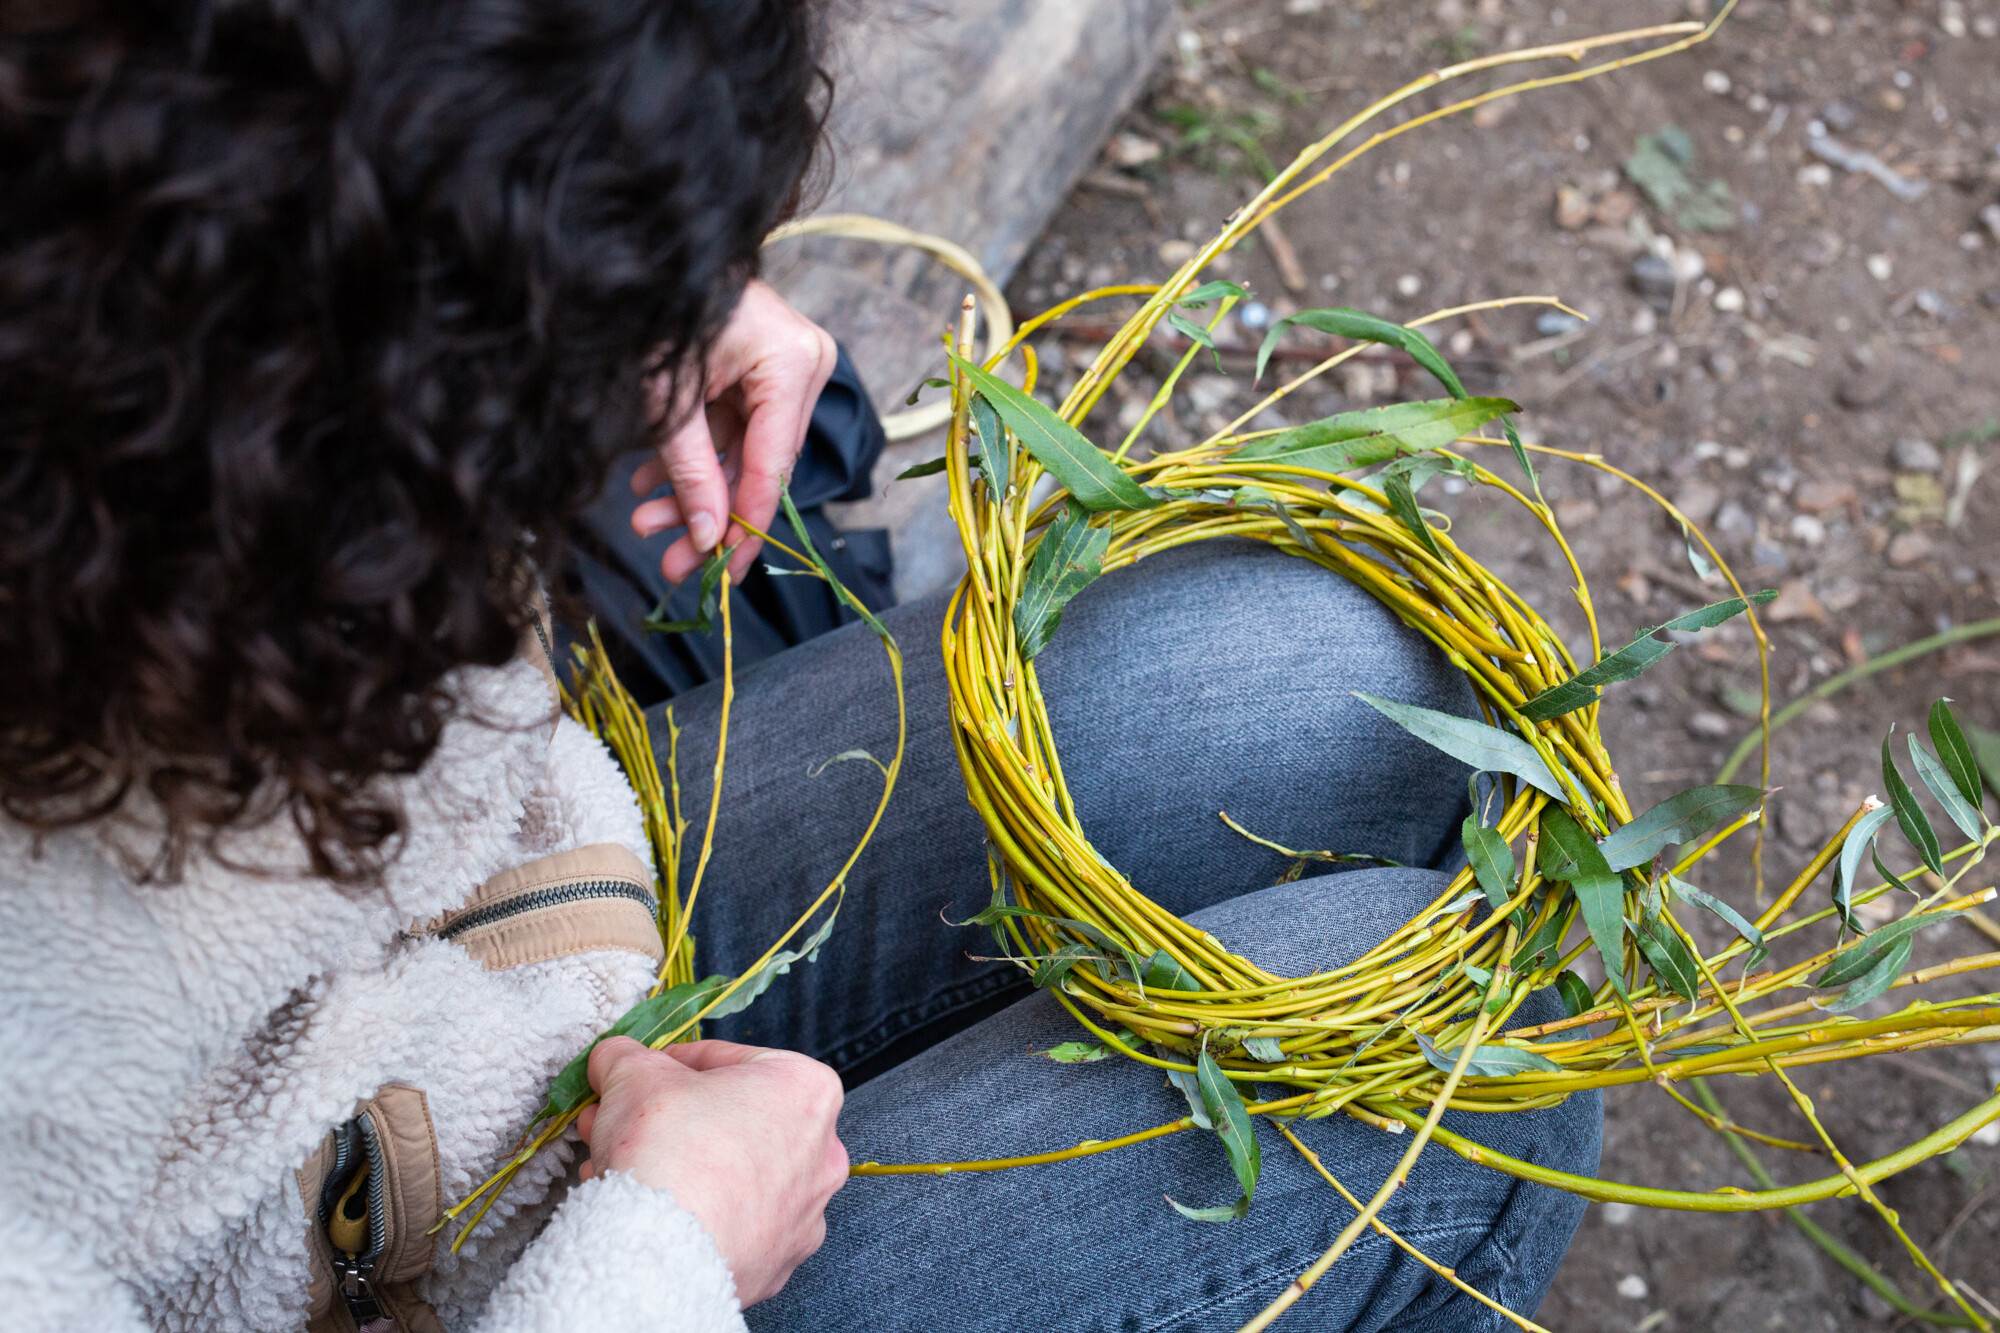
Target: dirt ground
1805	357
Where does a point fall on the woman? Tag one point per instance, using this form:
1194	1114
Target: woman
321	321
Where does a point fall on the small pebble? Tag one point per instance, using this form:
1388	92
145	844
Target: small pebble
1698	500
1645	321
1653	275
1769	555
1255	315
1733	520
1632	1287
1713	726
1881	267
1729	300
1621	1214
1806	528
1555	323
1816	174
1839	117
1795	601
1908	548
1717	82
1409	285
1865	388
1132	150
1915	455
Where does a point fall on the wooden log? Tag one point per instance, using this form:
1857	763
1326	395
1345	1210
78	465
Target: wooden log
970	119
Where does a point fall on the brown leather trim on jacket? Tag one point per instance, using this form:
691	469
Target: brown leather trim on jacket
563	928
413	1201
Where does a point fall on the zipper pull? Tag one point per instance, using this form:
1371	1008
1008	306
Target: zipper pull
353	1267
348	1227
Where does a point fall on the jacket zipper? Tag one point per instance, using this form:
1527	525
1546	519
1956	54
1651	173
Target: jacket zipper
357	1148
556	895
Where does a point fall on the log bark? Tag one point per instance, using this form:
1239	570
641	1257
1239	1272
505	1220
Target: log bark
969	119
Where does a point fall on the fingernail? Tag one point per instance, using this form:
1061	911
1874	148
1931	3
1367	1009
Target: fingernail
701	530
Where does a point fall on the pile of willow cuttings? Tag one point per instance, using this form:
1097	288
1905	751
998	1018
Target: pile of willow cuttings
1562	878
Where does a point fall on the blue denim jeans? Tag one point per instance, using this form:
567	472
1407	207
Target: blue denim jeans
1211	678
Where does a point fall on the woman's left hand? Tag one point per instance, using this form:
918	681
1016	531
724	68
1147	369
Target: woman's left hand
759	385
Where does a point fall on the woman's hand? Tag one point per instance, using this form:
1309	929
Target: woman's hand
743	1137
762	378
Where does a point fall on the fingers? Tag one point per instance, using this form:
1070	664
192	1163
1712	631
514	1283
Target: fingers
700	1055
607	1056
701	493
760	383
780	394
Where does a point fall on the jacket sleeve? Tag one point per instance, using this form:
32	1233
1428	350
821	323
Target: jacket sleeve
617	1257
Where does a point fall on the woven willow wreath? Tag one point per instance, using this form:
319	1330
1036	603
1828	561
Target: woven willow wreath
1413	1027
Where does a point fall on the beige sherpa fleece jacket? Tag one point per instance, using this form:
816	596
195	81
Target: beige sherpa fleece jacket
178	1062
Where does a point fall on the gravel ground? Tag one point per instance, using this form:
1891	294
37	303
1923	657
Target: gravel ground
1802	349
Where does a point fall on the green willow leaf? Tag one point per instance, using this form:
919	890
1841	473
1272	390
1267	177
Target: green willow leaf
1164	972
1051	970
1540	946
1197	334
1403	504
1696	560
1945	787
1484	749
1860	957
1266	1049
994	451
1490	1061
1092	480
707	608
1257	497
928	468
1568	853
1376	435
1199	298
1575	995
1347	322
1676	820
1910	816
1087	1052
1234	1212
780	964
1068	560
1955	752
1232	1122
1859	839
644	1021
918	392
1889	877
1190	1087
1877	979
1492	861
993	912
1730	915
818	562
1670	959
1586	686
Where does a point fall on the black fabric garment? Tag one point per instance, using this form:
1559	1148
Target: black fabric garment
615	573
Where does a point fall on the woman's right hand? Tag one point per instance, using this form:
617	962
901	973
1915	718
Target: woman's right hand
744	1138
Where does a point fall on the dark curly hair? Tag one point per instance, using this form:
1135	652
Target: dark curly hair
317	318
